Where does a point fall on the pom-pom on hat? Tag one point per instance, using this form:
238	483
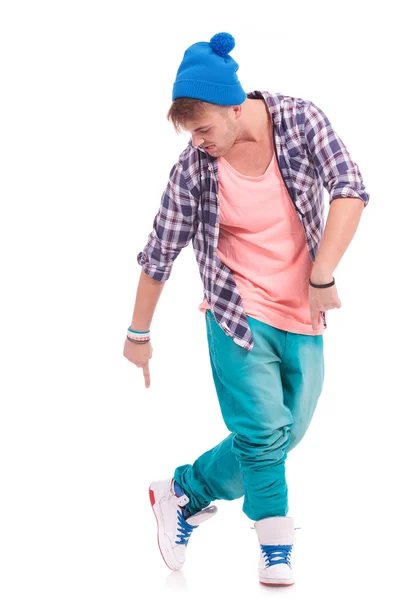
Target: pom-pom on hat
208	73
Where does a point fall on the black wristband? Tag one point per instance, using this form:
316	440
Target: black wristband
323	285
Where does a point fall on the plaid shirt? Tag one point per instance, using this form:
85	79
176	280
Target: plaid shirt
310	155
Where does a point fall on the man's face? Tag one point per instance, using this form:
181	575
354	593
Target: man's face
215	131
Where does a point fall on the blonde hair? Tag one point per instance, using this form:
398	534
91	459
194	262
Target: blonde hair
187	109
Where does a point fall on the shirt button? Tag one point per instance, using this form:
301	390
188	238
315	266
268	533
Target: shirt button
214	254
216	224
209	167
217	197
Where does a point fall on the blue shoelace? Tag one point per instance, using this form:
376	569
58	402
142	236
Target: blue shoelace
184	529
274	555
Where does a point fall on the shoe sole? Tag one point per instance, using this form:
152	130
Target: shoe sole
277	583
160	529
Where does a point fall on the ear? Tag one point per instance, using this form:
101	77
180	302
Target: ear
237	111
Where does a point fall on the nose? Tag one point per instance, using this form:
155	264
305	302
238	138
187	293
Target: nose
197	140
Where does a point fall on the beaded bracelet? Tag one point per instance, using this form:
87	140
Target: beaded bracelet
136	342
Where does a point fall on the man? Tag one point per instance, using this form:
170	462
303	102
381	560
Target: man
248	192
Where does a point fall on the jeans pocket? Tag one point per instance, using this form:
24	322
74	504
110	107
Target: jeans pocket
210	335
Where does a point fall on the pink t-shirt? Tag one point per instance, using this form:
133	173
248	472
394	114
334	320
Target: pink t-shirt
262	241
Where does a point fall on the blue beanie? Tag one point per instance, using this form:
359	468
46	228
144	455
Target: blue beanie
207	72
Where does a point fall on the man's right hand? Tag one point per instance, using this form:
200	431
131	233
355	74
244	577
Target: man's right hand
139	355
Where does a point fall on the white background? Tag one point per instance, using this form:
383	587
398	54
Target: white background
85	155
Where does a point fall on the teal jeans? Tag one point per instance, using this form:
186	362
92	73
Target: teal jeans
267	397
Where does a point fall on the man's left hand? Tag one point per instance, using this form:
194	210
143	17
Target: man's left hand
321	300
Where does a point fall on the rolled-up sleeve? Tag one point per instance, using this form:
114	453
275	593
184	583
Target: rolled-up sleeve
173	227
339	173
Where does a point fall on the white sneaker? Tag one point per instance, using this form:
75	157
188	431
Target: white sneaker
276	537
174	522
